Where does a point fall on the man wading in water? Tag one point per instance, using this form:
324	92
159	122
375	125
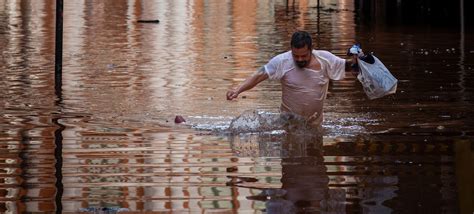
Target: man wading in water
304	74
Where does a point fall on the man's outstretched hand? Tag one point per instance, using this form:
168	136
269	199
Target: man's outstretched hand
232	94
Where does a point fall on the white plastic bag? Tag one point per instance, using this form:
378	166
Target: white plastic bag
376	79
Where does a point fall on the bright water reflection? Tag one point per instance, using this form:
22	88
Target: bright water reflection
125	81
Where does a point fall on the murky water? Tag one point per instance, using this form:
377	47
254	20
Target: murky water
123	83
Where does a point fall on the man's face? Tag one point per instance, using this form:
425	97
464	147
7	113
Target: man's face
302	56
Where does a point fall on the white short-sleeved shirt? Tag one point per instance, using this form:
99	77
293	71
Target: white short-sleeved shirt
304	89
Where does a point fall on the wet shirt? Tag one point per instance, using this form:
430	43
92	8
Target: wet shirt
304	89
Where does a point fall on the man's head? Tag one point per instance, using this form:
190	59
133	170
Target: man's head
301	47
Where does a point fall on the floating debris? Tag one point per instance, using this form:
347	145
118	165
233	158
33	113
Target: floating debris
235	180
232	169
111	66
179	119
155	21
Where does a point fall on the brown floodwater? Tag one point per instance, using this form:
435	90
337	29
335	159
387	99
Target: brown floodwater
124	82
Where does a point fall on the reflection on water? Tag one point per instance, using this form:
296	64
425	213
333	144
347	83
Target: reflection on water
123	83
304	182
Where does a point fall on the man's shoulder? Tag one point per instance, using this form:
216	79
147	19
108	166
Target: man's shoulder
325	55
321	52
280	64
283	55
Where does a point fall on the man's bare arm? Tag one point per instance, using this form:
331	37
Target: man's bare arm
248	84
350	62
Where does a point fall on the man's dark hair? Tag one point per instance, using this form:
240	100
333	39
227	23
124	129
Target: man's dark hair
301	39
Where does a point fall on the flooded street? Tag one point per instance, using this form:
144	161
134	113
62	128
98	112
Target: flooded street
124	82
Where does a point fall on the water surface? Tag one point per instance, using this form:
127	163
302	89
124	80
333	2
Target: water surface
124	82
